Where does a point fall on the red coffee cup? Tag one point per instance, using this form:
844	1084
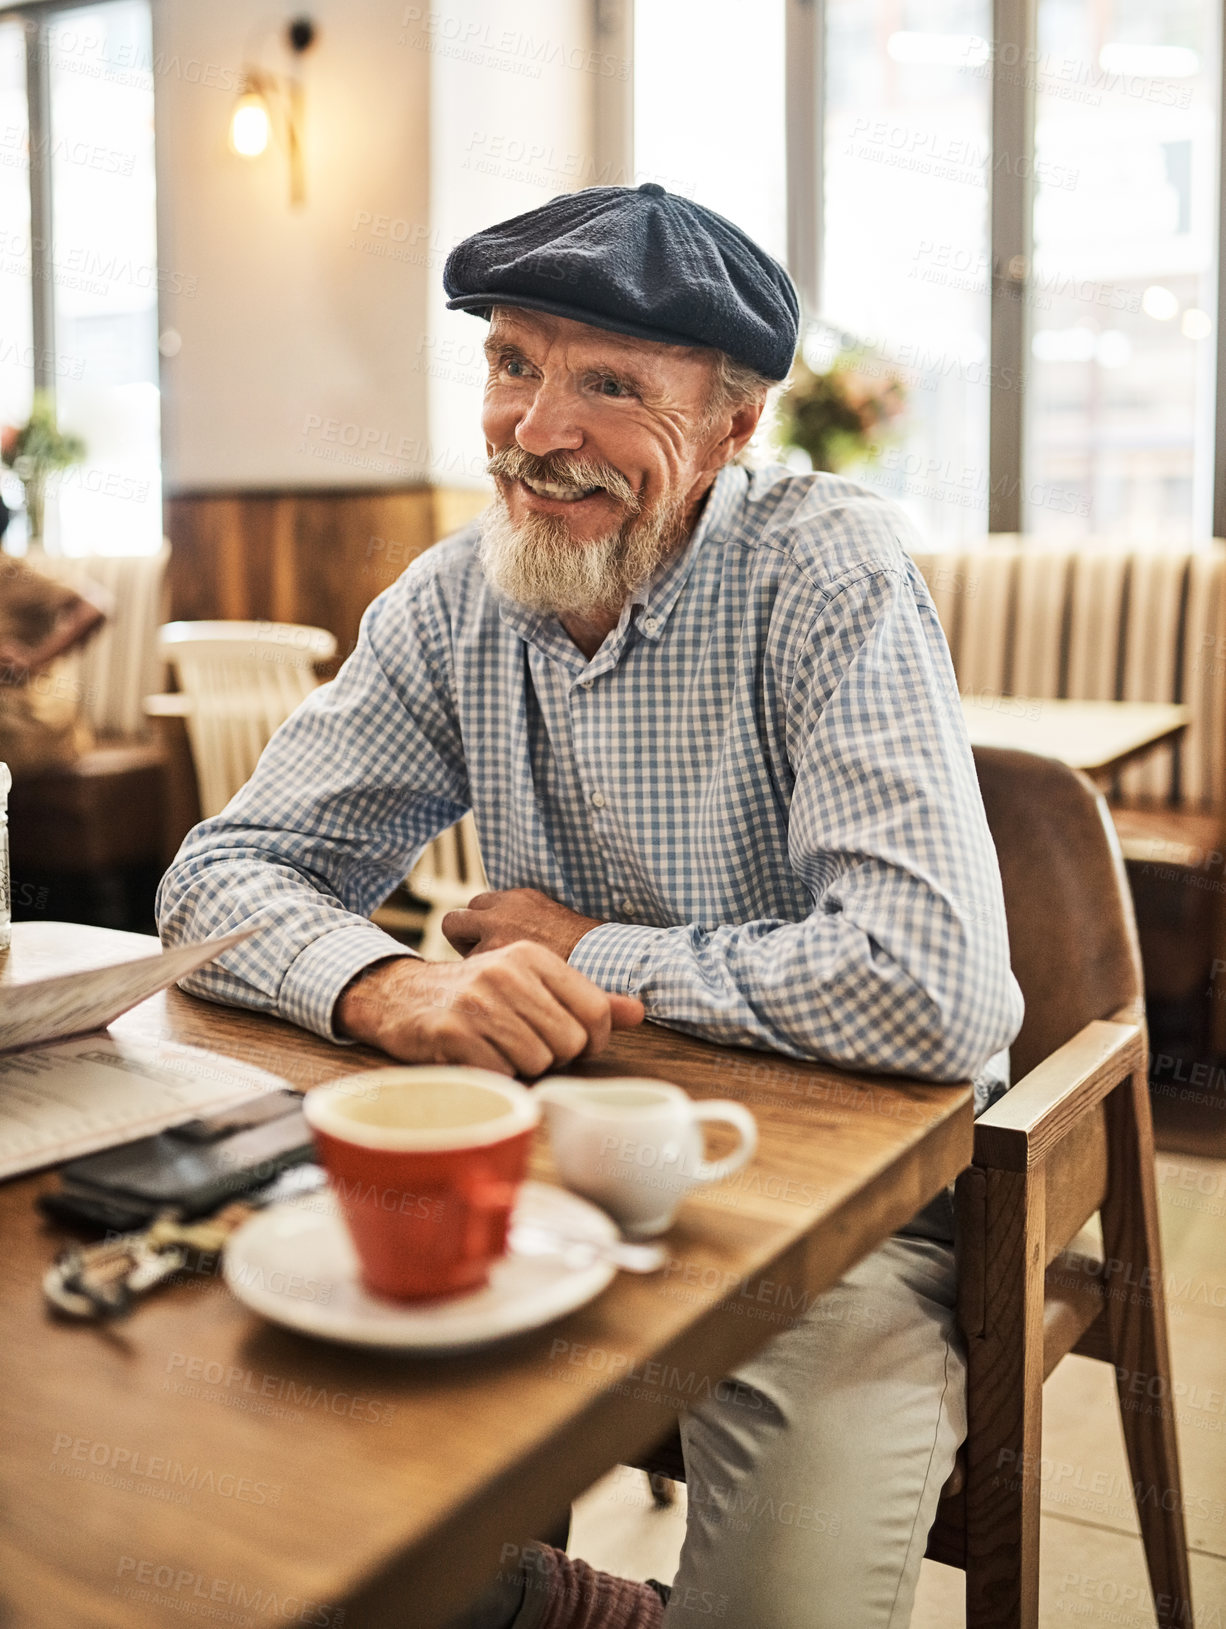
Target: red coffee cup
425	1164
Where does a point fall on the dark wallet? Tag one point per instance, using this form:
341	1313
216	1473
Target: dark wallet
190	1169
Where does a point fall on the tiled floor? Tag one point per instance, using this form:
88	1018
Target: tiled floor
1093	1568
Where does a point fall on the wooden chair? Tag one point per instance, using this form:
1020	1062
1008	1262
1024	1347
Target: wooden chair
447	876
238	681
1072	1138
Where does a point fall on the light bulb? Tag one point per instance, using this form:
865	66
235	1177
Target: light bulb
249	126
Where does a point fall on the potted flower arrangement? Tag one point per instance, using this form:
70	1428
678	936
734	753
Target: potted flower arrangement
837	416
35	450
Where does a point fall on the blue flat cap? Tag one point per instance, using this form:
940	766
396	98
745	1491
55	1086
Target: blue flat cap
636	260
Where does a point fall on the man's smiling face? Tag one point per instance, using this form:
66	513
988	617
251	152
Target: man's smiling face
601	447
557	386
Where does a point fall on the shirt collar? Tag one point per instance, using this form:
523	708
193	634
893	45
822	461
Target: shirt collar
652	606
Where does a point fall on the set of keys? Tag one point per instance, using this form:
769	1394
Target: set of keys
103	1281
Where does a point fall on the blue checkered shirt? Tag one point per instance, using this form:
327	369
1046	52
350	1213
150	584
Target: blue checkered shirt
761	784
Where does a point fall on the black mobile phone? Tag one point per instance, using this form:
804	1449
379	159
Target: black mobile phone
190	1169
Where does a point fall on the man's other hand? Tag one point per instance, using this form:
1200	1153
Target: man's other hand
495	920
518	1010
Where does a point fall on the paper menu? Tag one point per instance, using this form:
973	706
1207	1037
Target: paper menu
59	1102
44	1010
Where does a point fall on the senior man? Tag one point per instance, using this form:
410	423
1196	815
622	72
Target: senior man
706	721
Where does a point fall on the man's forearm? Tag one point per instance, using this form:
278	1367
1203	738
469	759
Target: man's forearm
305	951
815	989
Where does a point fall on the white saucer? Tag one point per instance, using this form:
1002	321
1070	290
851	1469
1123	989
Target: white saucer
294	1263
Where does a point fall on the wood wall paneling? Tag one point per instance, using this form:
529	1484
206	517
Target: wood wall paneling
317	557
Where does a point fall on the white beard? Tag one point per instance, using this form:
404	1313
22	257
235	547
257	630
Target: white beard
537	564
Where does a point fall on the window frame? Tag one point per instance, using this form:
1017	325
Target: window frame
34	19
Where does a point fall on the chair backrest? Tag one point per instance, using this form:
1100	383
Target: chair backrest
242	680
120	665
1072	934
450	869
1099	621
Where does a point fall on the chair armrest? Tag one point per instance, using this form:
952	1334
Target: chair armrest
1019	1131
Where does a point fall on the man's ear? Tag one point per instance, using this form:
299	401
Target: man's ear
744	423
740	428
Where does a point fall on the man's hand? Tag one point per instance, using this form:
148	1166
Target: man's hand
518	1010
495	920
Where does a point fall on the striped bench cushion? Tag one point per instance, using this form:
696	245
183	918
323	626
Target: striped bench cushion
1098	622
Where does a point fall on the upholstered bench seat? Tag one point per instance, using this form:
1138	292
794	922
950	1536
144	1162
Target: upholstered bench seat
104	815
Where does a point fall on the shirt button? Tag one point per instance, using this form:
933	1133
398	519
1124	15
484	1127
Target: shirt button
586	684
597	800
650	624
627	907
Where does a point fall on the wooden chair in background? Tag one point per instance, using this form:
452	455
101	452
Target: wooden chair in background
447	876
238	681
1071	1139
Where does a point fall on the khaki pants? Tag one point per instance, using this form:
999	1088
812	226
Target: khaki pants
813	1482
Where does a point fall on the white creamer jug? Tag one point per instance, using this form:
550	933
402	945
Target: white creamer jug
635	1147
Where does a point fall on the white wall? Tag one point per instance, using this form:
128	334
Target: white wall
314	350
511	126
291	319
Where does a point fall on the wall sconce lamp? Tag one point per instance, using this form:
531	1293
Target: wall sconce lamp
271	101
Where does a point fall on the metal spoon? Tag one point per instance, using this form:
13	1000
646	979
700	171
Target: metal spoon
529	1239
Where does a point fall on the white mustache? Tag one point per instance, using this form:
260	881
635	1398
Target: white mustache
576	474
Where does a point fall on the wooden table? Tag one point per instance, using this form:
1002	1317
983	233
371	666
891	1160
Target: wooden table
196	1460
1099	737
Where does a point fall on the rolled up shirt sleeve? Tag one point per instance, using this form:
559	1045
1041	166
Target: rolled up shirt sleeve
903	962
347	793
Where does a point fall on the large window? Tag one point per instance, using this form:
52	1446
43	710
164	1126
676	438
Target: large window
907	123
78	263
1120	404
709	108
1024	229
